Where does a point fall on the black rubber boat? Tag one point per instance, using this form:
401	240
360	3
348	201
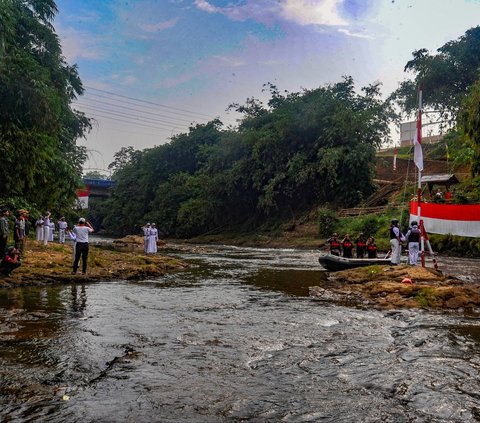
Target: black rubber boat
336	263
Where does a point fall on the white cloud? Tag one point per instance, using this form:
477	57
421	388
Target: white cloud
206	6
312	12
78	45
301	12
160	26
355	34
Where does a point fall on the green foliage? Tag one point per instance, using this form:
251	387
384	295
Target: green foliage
455	245
301	150
445	77
371	225
469	122
327	220
426	297
41	163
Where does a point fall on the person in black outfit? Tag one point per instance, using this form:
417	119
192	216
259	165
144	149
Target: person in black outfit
334	244
371	248
10	262
360	245
347	246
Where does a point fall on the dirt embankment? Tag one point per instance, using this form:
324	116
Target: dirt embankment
53	264
382	287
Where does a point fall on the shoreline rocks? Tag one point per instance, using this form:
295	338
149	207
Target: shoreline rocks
53	264
382	287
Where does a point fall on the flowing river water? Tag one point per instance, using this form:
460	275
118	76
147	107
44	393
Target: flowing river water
233	338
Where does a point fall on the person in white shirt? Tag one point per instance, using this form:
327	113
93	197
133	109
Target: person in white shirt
62	227
146	234
81	231
152	240
46	228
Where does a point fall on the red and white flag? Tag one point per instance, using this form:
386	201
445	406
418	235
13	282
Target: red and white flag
417	143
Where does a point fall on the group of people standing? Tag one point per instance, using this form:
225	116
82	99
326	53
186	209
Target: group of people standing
44	231
412	238
150	238
363	246
366	247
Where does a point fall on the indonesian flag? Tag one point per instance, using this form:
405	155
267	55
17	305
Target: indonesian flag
417	143
395	154
82	198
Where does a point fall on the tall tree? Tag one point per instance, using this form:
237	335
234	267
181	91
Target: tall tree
41	162
445	77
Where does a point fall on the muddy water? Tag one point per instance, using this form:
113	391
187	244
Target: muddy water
234	338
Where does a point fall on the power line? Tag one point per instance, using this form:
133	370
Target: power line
119	106
151	102
123	121
117	100
152	121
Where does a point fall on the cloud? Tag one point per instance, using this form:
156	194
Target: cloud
160	26
301	12
79	45
355	33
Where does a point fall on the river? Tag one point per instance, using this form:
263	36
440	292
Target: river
233	338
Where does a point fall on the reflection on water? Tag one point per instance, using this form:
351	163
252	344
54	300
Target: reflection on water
234	338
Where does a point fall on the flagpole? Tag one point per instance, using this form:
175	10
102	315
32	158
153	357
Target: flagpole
419	188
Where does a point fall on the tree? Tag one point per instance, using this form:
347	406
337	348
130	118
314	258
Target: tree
41	162
301	150
469	123
445	77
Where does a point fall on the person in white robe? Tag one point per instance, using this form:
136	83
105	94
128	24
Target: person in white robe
146	234
52	230
39	229
62	227
152	240
46	228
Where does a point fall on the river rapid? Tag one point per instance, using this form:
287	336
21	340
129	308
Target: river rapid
233	338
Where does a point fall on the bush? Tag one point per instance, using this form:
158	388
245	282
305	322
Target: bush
327	221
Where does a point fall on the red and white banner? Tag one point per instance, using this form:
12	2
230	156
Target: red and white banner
455	219
82	198
417	143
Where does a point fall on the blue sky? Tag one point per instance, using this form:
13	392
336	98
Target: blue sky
153	67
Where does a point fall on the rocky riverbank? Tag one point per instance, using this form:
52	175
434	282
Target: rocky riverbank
402	286
53	264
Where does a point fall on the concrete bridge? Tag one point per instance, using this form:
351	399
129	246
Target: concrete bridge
98	187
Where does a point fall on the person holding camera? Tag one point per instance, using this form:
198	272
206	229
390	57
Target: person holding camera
81	231
10	262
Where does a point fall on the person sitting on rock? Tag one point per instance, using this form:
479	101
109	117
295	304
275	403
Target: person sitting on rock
347	246
10	262
371	248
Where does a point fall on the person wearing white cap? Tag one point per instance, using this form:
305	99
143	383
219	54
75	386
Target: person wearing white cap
82	230
152	240
62	227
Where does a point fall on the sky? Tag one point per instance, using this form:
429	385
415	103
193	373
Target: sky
153	68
